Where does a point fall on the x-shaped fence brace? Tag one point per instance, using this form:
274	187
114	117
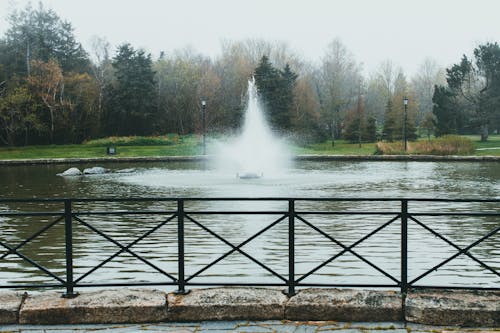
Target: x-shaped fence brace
461	251
124	248
15	249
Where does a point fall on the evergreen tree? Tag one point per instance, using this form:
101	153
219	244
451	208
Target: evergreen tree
276	90
389	131
370	130
447	115
130	99
39	34
285	98
359	127
477	85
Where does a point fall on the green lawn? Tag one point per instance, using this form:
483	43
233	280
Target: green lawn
341	147
191	145
490	147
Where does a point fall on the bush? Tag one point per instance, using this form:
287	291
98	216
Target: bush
169	139
389	148
445	145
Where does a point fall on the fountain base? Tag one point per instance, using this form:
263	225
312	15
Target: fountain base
249	175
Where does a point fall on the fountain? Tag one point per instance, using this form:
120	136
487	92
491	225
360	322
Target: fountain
256	152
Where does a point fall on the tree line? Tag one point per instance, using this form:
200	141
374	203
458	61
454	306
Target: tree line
52	90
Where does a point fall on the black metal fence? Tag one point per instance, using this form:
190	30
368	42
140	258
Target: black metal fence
291	212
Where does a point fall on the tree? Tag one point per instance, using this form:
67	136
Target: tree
446	112
130	98
183	79
39	34
16	117
396	113
428	75
429	124
46	81
356	123
390	128
337	85
276	90
305	117
102	73
476	83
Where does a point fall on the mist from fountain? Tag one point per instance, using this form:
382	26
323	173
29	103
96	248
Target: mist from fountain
256	152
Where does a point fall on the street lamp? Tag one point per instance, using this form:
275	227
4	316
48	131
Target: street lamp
405	102
203	113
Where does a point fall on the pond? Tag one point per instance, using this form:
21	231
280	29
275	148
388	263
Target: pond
334	179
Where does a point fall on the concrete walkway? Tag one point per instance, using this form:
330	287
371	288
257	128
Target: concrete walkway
245	327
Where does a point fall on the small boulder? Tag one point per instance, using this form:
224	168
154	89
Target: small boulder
71	172
94	171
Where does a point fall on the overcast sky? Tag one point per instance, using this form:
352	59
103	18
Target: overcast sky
404	31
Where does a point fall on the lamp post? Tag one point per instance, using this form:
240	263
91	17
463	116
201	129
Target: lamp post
405	102
203	113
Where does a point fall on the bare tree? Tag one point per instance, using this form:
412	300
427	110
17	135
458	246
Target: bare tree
101	69
337	83
428	75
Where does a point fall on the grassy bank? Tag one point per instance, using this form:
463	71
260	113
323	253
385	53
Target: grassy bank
174	145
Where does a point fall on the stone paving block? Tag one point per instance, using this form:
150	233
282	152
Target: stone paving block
227	304
344	305
99	307
454	308
10	303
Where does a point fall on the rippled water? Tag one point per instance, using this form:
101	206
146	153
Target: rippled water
306	179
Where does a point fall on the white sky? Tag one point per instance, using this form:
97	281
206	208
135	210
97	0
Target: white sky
404	31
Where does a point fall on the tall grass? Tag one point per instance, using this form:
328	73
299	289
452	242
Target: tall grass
445	145
166	140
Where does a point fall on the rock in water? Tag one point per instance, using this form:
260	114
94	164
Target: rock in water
94	171
71	172
249	175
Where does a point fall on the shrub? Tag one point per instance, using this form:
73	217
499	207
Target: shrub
169	139
445	145
389	148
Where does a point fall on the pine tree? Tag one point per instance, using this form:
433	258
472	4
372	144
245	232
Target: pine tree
445	111
276	90
130	99
388	132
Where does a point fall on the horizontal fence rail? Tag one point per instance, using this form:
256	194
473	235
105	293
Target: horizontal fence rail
289	212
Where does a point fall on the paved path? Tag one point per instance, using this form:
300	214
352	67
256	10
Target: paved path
243	327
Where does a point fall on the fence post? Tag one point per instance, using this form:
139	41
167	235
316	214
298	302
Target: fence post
404	254
291	247
180	247
68	236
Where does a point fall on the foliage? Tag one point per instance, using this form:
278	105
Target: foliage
52	91
39	34
445	145
448	118
360	127
276	89
129	99
16	120
170	139
477	84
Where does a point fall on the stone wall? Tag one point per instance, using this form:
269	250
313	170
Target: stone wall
456	308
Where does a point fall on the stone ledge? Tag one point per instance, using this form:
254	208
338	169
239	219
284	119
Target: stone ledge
99	307
454	307
344	305
10	303
227	304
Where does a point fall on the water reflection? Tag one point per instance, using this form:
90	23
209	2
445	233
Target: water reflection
307	179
